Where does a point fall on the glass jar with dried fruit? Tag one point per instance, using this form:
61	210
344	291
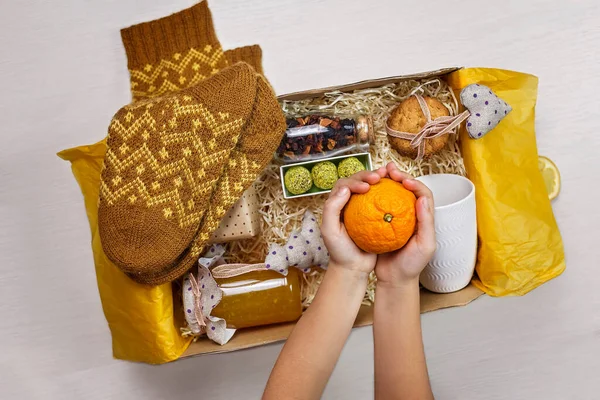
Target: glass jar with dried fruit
316	136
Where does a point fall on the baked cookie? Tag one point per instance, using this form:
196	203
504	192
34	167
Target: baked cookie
408	117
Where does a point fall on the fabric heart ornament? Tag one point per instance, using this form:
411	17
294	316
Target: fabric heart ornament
304	248
487	109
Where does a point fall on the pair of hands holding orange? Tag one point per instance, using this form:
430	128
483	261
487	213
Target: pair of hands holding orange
395	268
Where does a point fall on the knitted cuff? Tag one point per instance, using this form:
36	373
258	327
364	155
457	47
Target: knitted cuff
150	42
172	53
249	54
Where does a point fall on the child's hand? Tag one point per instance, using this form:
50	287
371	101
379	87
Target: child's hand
342	250
405	265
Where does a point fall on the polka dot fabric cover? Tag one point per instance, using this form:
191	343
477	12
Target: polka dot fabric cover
298	251
216	328
303	249
487	109
277	259
312	232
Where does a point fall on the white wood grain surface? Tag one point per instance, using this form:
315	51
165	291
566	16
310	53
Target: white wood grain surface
62	76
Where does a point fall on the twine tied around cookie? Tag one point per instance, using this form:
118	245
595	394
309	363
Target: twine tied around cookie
432	128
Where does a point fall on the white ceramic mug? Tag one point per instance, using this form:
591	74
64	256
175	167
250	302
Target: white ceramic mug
453	263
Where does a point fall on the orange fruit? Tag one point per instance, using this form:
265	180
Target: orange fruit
383	219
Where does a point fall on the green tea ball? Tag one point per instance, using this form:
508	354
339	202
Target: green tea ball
349	167
297	180
324	175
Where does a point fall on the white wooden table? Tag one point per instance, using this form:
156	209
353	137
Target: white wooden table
62	76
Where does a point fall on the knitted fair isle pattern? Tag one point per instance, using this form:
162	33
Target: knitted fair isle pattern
178	72
164	158
172	53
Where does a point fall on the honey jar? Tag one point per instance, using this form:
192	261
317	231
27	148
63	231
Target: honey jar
259	298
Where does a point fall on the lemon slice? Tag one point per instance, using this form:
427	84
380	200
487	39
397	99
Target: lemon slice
551	176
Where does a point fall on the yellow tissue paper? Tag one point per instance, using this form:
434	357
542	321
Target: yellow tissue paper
141	318
520	246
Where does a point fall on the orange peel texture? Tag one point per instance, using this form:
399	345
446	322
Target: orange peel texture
383	219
